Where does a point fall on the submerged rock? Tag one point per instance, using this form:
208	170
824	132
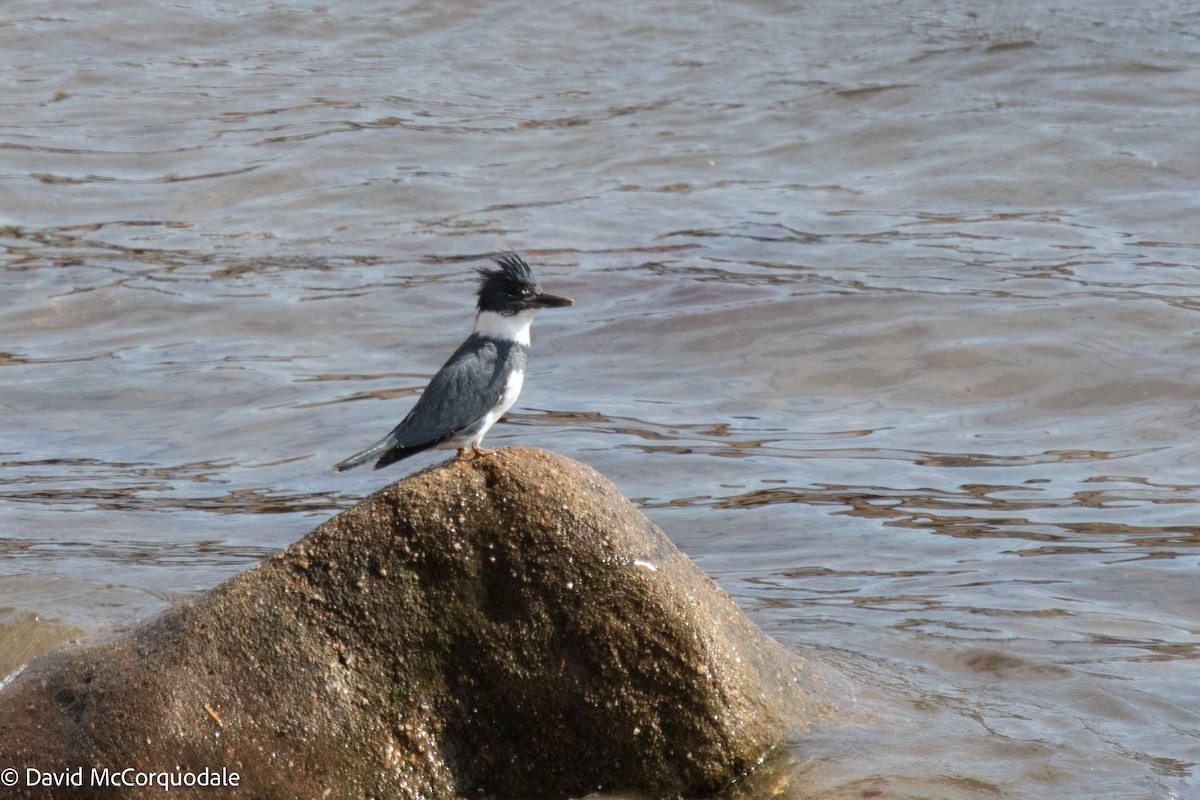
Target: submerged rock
509	626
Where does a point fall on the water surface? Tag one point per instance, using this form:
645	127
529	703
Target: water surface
886	313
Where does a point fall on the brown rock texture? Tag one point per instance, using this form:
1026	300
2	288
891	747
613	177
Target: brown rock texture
509	626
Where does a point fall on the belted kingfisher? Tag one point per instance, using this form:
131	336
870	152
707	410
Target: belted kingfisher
481	380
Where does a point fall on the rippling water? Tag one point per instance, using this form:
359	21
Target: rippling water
886	312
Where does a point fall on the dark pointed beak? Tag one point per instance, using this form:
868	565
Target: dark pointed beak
552	301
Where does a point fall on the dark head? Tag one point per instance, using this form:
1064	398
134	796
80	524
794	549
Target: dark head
512	288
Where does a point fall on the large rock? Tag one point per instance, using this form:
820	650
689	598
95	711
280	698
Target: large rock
509	626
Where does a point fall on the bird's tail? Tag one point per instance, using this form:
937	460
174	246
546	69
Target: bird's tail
358	459
388	450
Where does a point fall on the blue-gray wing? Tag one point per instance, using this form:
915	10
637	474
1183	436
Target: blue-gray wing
466	387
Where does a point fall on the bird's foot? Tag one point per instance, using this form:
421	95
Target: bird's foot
473	452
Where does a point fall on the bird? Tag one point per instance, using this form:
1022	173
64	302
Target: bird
481	381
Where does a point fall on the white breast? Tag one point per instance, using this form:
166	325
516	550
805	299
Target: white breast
512	388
